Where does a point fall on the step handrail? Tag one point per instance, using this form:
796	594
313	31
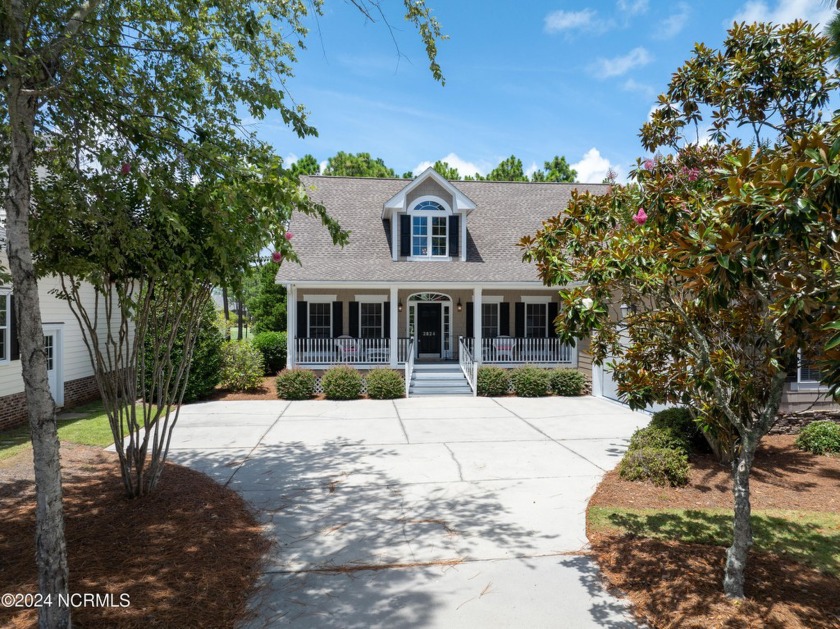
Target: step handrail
468	364
409	365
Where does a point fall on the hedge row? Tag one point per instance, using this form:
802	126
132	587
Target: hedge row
341	383
529	381
659	453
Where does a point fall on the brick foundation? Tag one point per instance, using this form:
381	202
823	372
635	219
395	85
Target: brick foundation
76	393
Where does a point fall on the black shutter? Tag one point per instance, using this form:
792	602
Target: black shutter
302	320
338	319
14	350
519	324
454	236
386	319
470	319
552	315
504	319
405	235
354	319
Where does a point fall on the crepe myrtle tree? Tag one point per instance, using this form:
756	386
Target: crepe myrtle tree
724	255
161	77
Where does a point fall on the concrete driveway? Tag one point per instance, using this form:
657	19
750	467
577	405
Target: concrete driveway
422	512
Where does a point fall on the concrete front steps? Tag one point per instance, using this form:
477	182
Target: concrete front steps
438	379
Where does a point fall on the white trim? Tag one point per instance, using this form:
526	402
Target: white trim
536	299
486	302
492	299
397	203
411	312
319	299
429	218
426	286
371	299
429	258
309	320
434	199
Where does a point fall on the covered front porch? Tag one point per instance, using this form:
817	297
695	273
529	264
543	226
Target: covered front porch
369	328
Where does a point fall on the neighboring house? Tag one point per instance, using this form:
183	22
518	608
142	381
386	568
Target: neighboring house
432	280
69	369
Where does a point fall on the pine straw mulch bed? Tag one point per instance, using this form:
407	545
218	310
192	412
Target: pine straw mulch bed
674	584
188	555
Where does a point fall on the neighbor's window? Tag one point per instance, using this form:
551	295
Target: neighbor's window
4	326
536	319
489	320
370	320
320	320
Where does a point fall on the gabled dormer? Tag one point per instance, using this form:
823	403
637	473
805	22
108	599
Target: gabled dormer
428	220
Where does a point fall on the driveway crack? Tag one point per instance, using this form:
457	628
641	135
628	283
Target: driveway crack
457	463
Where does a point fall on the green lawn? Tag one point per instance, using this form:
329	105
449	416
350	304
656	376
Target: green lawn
810	537
92	430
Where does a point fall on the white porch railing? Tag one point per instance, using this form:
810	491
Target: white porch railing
509	349
348	350
409	364
468	364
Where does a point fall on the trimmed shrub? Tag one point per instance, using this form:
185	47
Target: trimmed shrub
679	420
492	381
530	381
206	360
341	383
242	366
661	466
295	384
822	437
385	384
272	345
567	382
656	437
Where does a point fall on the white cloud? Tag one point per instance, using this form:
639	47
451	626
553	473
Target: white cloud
464	167
617	66
784	11
558	21
531	169
672	25
632	7
593	168
290	159
322	166
632	85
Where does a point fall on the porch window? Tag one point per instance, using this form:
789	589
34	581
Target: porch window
320	320
489	321
536	320
370	320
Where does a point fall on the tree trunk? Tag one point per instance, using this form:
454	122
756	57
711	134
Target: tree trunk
51	551
227	313
736	556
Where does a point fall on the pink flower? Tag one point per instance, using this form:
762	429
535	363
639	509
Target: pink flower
648	164
693	174
125	168
289	235
276	257
640	217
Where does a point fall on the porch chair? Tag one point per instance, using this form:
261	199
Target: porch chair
348	349
503	348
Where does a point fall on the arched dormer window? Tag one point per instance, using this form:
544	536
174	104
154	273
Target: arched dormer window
430	228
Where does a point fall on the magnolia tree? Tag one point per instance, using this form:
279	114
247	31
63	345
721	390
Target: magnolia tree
724	255
163	80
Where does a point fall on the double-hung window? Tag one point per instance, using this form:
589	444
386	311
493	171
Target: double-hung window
489	321
370	320
536	320
429	232
320	320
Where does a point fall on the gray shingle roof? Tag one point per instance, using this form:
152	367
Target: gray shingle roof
505	211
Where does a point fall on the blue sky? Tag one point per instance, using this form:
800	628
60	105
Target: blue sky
531	78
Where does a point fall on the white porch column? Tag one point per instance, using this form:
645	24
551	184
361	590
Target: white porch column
395	328
291	325
477	324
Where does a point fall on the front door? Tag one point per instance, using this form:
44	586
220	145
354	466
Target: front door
428	329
